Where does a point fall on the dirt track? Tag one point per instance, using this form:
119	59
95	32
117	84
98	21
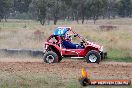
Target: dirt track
69	68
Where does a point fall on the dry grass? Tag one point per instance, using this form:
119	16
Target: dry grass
14	35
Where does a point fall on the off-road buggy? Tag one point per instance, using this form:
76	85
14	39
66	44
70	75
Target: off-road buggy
55	50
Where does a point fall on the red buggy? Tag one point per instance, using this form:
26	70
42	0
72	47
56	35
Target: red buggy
56	47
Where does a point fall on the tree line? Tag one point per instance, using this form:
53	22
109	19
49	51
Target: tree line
75	10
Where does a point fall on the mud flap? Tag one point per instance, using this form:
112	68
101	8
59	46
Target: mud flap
103	55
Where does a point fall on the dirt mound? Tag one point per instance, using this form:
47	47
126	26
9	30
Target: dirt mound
68	68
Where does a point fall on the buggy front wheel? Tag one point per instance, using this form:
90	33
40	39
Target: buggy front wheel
93	57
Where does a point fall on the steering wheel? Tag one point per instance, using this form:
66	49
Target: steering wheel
81	44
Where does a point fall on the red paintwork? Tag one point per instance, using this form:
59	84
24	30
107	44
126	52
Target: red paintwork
71	52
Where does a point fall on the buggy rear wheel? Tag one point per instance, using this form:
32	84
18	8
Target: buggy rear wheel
50	57
93	57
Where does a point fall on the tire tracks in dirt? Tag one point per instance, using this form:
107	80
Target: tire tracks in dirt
68	68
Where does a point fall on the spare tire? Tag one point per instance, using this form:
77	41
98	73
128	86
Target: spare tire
50	57
93	57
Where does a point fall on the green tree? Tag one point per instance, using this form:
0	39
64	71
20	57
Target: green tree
83	9
33	10
111	10
49	9
125	8
97	8
55	9
22	5
42	10
4	9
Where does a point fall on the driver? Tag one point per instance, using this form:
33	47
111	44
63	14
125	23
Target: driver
66	42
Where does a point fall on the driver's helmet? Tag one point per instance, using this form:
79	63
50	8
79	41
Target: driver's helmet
63	32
